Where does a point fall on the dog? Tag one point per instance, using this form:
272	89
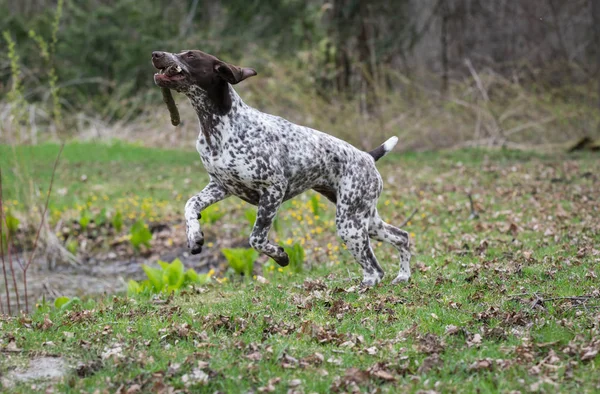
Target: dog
266	160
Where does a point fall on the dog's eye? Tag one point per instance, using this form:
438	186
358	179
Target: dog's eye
189	55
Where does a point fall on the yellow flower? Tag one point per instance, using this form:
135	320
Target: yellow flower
210	244
211	273
280	269
387	202
289	241
412	235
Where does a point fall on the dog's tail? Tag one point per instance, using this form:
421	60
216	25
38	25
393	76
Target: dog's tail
384	148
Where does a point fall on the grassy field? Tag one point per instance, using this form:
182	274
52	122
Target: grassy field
507	301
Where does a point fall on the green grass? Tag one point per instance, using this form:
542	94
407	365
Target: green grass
481	276
86	170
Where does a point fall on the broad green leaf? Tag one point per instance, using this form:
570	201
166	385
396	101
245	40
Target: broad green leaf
250	215
12	223
155	276
173	275
60	301
163	264
140	235
85	219
241	259
69	304
191	276
133	288
117	221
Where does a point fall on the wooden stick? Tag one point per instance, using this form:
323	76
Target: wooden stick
168	99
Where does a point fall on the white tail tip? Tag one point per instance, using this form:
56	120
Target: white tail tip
389	144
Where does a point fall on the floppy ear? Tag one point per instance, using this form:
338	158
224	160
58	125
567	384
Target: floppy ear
233	74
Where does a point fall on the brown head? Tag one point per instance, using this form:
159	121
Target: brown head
181	71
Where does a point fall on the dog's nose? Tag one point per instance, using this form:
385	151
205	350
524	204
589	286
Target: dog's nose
157	55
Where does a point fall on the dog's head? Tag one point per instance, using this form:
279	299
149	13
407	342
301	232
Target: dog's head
179	71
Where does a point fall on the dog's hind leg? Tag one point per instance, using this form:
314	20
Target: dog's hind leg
352	227
384	232
268	205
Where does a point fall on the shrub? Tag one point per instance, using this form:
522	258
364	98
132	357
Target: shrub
140	235
117	221
169	277
241	259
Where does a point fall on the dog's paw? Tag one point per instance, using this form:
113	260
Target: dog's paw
368	283
401	278
195	242
370	280
283	260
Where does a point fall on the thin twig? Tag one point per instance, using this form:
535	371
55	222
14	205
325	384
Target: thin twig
409	218
8	255
37	235
2	251
474	214
11	266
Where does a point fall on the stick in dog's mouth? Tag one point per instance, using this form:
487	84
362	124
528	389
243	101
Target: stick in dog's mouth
173	111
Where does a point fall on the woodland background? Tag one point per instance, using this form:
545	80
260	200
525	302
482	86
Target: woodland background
437	73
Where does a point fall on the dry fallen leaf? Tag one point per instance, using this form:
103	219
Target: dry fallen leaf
294	383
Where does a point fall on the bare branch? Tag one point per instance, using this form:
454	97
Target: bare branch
474	214
37	235
409	218
2	251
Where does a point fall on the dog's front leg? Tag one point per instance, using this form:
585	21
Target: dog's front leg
211	194
268	205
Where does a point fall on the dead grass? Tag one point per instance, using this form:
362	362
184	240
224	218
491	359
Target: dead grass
485	109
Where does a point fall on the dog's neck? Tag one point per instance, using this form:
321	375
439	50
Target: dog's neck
215	110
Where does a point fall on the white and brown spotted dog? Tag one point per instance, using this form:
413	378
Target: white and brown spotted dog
266	160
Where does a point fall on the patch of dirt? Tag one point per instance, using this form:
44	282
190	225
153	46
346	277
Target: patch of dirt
108	272
40	368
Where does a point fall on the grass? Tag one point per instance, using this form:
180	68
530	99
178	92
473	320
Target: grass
491	305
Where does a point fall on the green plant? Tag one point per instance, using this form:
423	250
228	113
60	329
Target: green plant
84	219
117	221
296	255
140	235
12	223
15	95
314	204
250	215
72	246
241	259
169	277
100	217
212	213
47	51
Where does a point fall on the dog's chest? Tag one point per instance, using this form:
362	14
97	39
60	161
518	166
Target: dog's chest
242	174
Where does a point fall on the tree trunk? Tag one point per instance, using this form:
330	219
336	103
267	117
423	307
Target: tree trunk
444	45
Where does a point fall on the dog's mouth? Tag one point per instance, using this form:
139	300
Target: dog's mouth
170	73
